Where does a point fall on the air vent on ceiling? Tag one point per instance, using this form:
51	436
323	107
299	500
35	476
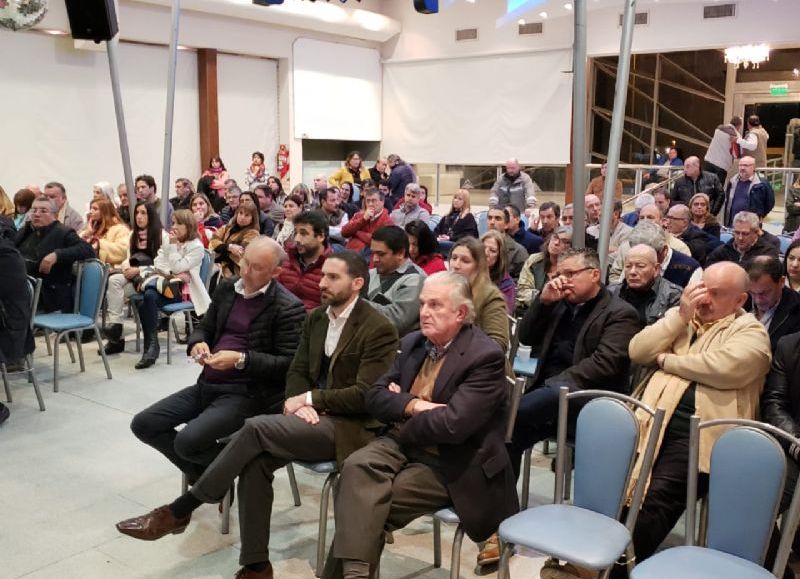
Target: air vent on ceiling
640	18
466	34
531	28
719	11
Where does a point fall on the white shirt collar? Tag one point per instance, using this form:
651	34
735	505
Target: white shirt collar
238	287
667	259
344	315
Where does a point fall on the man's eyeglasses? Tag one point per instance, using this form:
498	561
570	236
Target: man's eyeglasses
562	240
40	210
569	274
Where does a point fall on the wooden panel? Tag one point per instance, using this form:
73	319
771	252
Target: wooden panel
209	113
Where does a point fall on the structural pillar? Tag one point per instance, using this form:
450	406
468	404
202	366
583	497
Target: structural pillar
209	112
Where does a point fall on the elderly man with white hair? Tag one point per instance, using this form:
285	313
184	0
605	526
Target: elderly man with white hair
746	243
513	187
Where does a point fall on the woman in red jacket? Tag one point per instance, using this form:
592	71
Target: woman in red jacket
423	249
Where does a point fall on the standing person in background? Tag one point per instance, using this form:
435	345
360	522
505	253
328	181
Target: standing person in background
598	184
422	247
754	143
353	171
720	154
696	181
23	200
217	171
105	233
497	262
459	222
513	187
746	191
402	174
66	214
257	172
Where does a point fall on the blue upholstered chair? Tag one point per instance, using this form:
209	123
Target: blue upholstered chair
589	532
92	276
434	221
483	222
748	469
34	287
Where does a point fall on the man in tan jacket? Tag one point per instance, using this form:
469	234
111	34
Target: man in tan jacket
710	358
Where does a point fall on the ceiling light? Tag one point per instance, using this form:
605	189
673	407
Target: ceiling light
748	54
568	5
543	14
56	32
521	22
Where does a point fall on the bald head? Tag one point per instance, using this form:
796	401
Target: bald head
678	219
726	284
260	263
691	167
641	267
650	212
592	203
512	168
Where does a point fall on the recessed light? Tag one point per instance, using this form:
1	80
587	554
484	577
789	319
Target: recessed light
521	22
568	5
543	14
56	32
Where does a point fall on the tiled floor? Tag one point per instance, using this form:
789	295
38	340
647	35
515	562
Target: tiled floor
69	473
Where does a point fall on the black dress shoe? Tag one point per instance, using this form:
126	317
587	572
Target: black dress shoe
114	347
4	413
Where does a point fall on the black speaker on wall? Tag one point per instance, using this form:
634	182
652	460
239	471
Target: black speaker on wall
92	19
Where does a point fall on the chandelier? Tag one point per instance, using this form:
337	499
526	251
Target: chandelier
748	54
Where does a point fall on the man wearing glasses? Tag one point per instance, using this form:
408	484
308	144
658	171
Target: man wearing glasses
580	334
49	249
679	223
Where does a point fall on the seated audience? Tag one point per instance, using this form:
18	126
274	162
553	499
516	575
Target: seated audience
661	199
23	200
695	181
345	347
346	201
746	242
791	266
147	191
230	241
400	177
642	200
379	171
710	359
124	208
207	219
66	214
394	282
232	196
244	344
364	224
497	219
262	200
50	249
679	223
773	304
542	267
700	204
459	222
643	287
423	247
513	187
468	258
516	229
547	221
579	333
175	273
423	200
567	214
353	171
334	215
444	445
184	191
620	232
497	263
143	245
278	196
256	173
105	190
7	227
104	231
217	171
746	191
593	207
302	268
284	232
598	184
410	209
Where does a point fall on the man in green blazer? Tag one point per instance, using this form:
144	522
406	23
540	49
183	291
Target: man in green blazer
345	347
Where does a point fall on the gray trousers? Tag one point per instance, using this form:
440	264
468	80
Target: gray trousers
382	487
264	444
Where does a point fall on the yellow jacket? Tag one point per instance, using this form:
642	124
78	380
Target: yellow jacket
342	175
727	362
114	245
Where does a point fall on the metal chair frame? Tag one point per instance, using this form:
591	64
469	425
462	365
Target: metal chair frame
34	286
225	523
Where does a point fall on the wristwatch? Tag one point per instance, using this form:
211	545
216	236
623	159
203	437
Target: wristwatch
241	362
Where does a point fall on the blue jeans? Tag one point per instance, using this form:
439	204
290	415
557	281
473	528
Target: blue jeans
148	307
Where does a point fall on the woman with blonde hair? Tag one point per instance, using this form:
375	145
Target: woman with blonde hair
459	222
7	214
468	258
700	207
497	262
106	232
230	240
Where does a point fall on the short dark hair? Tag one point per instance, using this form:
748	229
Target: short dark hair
617	207
426	242
258	154
384	182
589	256
762	265
323	195
316	220
372	191
394	237
265	188
356	266
252	196
147	179
501	210
509	209
754	121
551	205
57	185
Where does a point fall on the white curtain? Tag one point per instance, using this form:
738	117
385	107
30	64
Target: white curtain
477	111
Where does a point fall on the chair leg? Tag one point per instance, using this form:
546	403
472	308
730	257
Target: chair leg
135	314
546	446
5	383
568	474
169	346
55	361
703	530
505	555
293	484
437	543
102	351
184	483
526	478
79	345
225	524
69	349
455	558
32	374
47	342
323	522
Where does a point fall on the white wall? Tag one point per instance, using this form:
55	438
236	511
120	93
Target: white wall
59	121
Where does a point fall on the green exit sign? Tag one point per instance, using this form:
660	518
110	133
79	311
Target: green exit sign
779	89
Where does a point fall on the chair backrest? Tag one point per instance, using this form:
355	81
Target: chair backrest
606	445
434	221
35	289
748	468
725	236
513	334
785	241
206	269
483	222
92	276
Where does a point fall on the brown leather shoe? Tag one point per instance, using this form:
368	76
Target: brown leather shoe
245	573
153	525
490	554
